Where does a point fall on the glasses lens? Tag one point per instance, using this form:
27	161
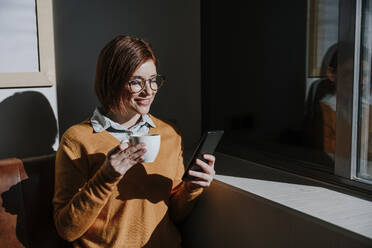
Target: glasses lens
135	86
156	82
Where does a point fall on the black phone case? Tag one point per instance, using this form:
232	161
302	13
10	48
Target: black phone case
207	145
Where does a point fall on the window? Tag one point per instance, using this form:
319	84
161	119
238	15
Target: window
282	80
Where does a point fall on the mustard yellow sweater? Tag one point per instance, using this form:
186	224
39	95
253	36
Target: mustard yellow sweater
94	207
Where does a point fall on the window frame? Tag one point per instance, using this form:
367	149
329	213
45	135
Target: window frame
347	84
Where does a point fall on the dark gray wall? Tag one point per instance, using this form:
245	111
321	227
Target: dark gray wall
254	67
83	27
284	64
232	60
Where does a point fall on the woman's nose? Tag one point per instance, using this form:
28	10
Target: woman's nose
147	90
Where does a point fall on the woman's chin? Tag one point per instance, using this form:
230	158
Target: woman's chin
143	110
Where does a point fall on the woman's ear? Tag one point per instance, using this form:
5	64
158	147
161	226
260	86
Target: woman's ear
331	74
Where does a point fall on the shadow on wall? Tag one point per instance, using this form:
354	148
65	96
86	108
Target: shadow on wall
28	125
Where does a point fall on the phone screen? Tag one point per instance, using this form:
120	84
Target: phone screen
207	145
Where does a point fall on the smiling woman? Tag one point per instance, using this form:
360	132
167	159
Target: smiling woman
141	94
105	194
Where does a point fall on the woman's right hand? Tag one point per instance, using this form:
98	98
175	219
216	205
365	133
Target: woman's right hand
124	156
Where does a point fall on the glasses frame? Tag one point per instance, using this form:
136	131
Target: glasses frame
144	81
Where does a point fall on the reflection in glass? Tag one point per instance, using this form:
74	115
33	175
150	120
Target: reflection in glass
320	118
322	34
364	168
18	36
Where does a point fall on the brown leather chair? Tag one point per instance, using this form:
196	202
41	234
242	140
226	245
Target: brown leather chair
26	190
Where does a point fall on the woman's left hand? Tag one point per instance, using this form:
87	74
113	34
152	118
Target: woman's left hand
204	178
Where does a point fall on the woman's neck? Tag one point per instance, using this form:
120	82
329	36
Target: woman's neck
127	120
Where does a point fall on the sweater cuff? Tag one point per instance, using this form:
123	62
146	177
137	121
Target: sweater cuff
190	192
109	174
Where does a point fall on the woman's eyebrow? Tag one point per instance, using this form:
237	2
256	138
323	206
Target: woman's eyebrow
152	76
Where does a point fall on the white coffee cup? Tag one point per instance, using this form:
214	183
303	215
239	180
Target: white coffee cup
152	145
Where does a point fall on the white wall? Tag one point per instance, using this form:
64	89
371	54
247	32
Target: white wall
28	116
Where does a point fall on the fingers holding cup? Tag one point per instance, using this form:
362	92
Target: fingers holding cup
152	142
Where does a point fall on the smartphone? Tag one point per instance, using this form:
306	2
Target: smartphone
207	145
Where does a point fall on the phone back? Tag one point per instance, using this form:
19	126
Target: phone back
207	145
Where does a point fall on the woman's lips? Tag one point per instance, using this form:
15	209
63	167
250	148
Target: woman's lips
143	102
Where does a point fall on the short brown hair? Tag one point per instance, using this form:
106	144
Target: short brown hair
117	62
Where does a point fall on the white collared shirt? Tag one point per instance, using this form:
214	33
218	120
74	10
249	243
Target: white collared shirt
101	123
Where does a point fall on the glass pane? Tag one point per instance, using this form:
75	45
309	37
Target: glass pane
319	126
364	168
18	36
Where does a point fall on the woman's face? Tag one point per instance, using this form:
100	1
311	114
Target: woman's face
139	103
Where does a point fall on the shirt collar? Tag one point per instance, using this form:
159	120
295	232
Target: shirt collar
146	119
101	122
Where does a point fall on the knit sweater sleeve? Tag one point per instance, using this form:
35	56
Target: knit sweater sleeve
182	198
78	199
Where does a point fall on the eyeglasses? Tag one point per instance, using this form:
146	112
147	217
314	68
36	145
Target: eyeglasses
138	84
